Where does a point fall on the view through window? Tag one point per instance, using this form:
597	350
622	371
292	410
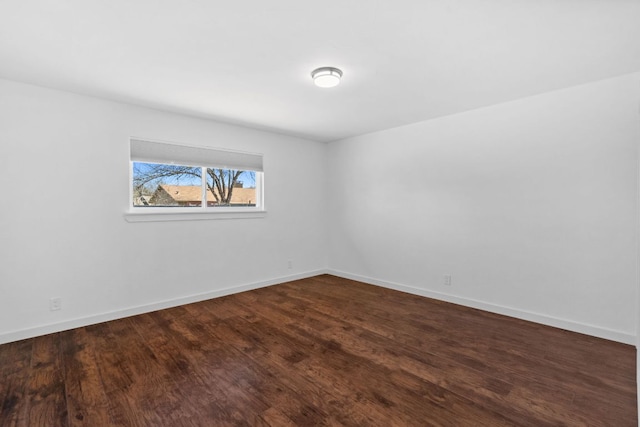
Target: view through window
158	182
162	185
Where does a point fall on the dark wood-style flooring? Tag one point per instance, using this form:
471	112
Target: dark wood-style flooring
315	352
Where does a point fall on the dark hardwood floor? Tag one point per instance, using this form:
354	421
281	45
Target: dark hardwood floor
319	351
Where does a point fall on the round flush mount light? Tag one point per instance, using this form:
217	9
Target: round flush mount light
326	76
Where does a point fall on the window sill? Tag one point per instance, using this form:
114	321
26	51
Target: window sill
191	216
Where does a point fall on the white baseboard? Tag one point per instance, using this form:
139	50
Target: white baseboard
569	325
160	305
493	308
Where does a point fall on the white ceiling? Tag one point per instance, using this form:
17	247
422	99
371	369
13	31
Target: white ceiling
249	61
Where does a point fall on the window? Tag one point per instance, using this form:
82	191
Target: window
181	179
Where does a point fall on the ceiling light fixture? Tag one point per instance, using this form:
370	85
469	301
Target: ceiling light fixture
326	76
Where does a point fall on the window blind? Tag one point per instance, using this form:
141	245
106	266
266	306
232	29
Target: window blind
160	152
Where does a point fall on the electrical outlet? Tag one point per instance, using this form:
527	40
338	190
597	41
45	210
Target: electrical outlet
289	264
447	280
55	303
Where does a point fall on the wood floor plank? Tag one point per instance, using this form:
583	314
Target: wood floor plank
322	351
496	360
333	338
184	393
299	399
46	388
15	361
86	398
251	376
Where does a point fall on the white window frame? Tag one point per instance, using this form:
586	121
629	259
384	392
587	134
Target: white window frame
151	151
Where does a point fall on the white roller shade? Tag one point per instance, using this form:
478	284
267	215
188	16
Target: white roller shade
159	152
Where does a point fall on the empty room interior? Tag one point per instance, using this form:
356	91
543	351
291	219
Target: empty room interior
285	213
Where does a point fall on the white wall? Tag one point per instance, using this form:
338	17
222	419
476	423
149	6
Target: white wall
531	206
64	162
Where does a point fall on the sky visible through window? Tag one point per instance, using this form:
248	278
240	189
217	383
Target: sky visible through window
142	169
